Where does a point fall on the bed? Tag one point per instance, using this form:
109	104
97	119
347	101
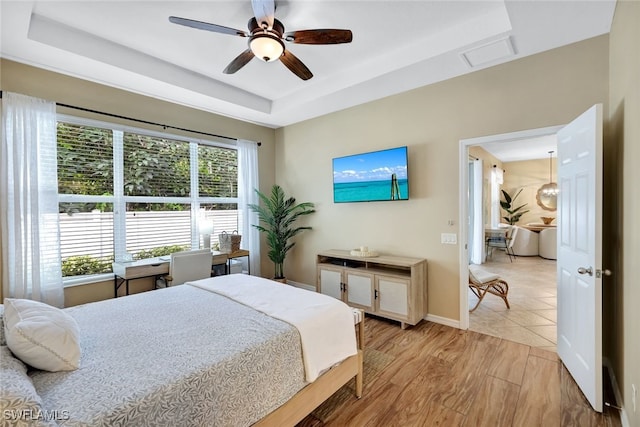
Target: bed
227	351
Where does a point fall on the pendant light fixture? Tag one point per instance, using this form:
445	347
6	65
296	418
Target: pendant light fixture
551	189
547	195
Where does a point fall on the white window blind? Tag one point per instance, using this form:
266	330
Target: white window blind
217	172
85	160
155	166
127	190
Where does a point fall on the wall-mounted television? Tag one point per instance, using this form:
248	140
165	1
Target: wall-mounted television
371	177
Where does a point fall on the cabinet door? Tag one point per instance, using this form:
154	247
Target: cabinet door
393	296
359	289
330	281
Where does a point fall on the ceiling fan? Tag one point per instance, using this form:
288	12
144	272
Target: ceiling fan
267	36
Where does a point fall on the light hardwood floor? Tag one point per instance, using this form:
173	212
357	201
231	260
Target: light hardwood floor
532	296
442	376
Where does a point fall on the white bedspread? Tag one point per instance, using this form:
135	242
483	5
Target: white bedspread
325	323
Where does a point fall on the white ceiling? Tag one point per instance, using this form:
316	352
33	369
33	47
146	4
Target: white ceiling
397	46
522	149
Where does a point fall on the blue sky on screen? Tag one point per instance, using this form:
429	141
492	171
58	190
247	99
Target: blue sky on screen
375	166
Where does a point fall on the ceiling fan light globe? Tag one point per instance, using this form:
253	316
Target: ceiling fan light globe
266	47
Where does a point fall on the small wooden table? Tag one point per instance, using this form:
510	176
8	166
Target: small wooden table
238	254
151	267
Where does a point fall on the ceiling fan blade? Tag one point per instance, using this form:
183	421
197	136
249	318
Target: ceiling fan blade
207	26
295	65
240	61
264	11
324	36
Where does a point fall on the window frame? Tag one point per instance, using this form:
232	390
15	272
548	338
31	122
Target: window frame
119	200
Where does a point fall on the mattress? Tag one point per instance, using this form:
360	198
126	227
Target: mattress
176	356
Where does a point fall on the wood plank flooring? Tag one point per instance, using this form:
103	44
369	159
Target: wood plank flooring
442	376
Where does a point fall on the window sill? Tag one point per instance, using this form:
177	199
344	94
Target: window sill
86	280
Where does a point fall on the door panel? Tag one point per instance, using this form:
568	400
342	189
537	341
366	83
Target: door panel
393	296
580	252
360	290
582	213
330	282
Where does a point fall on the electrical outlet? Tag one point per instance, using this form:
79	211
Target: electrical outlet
634	393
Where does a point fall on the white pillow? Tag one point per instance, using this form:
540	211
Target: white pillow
42	336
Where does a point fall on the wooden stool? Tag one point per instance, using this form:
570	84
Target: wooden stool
482	282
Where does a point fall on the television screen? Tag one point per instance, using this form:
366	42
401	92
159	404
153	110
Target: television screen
369	177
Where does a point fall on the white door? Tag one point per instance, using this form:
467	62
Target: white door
579	252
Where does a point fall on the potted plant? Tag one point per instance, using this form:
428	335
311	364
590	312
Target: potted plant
513	214
277	215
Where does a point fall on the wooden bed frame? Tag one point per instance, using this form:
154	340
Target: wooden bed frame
311	396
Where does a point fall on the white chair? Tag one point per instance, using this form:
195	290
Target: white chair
525	243
547	244
189	265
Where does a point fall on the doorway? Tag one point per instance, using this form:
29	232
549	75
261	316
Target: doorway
532	279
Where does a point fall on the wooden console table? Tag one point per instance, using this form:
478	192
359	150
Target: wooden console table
387	286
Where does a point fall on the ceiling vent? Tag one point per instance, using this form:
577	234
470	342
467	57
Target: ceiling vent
494	51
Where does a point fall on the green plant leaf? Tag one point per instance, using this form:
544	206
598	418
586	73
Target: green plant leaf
514	214
277	215
507	197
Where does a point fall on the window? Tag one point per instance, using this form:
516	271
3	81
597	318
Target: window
137	192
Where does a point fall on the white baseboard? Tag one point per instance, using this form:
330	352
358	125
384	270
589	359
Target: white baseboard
616	391
301	285
443	321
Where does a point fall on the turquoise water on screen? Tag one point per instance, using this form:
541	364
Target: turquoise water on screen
368	191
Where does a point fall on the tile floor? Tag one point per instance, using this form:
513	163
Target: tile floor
532	296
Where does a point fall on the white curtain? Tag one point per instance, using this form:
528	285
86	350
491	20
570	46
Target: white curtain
477	223
496	182
31	262
247	184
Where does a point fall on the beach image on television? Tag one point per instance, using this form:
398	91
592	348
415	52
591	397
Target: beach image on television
374	176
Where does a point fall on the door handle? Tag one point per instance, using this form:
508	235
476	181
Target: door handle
587	270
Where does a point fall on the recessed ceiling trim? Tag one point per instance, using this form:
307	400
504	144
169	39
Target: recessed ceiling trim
434	35
62	36
488	25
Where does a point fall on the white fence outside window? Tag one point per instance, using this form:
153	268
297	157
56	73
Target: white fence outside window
91	233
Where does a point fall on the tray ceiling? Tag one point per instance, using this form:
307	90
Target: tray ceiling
397	46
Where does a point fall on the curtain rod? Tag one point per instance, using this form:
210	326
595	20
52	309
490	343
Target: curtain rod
88	110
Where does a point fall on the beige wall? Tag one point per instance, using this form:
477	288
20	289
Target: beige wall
19	78
547	89
622	198
528	175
